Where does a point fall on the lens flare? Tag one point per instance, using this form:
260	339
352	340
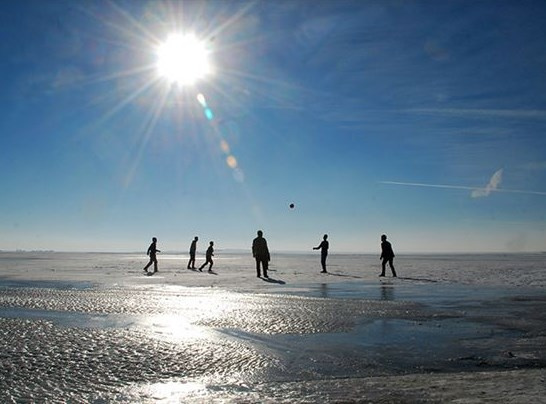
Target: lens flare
201	99
209	114
231	161
224	146
239	175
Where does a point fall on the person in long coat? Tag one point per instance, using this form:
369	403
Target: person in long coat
260	252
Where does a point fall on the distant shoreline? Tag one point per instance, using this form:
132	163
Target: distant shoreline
285	252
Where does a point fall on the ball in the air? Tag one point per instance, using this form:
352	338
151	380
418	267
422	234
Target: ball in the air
291	206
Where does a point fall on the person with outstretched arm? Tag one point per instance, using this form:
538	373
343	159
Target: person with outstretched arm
208	257
323	247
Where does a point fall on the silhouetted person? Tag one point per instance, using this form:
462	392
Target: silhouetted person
387	255
152	252
208	256
193	250
323	247
261	253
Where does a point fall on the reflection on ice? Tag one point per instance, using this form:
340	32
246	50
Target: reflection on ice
174	344
387	292
179	311
171	327
171	391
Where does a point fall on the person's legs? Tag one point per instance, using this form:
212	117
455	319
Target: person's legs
258	268
211	263
383	264
265	265
148	265
392	267
153	260
323	262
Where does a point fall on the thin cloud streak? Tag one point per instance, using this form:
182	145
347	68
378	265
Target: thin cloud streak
496	113
417	184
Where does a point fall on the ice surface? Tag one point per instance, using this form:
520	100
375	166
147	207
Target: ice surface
93	327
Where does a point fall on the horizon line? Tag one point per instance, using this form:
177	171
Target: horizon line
238	250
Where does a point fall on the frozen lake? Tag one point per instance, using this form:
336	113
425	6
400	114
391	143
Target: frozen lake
94	328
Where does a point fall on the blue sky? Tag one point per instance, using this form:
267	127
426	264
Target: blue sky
423	120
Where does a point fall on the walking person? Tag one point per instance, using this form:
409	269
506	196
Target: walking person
387	255
193	250
152	253
208	256
261	253
323	247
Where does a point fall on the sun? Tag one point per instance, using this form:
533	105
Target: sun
183	59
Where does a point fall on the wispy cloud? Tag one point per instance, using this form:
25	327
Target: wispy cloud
491	186
419	184
479	112
535	166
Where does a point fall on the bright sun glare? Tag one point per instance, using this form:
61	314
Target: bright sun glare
183	59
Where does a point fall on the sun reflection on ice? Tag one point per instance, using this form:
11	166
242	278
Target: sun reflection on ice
174	392
180	313
173	328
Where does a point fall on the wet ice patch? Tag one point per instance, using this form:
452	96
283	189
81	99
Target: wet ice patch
43	362
46	284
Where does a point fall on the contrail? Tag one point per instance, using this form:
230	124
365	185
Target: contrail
417	184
